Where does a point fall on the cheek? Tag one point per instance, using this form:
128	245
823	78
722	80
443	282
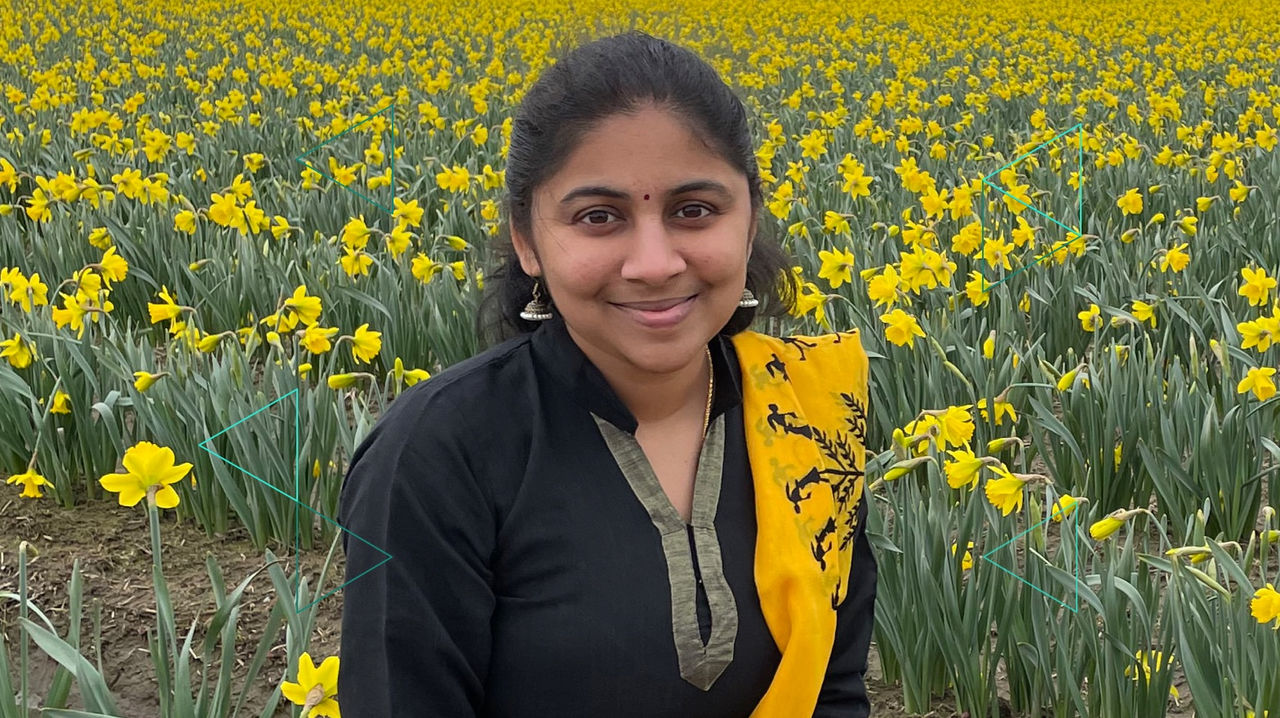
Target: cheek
582	273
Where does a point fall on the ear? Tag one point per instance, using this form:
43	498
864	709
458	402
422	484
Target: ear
526	253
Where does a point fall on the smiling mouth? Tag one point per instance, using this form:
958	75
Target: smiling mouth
657	306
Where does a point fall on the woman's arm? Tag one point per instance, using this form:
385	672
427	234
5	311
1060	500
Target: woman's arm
415	630
844	695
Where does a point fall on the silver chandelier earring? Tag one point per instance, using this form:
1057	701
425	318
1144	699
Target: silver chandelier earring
537	309
748	299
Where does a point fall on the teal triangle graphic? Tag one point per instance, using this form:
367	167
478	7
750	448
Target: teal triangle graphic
1070	523
297	460
1078	229
391	157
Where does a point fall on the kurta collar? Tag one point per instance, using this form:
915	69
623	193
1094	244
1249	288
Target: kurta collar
560	356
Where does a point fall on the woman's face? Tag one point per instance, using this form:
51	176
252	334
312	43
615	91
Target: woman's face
622	223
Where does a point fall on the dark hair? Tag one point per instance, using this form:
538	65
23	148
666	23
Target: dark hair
596	80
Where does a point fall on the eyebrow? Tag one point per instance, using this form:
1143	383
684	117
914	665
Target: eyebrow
602	191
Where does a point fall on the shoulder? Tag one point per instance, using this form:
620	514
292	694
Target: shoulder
460	402
451	420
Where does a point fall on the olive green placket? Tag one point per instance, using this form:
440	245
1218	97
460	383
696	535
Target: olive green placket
700	664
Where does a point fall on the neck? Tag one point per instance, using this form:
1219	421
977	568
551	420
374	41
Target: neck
657	398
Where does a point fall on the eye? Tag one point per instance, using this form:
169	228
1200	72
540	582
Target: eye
707	209
597	213
601	212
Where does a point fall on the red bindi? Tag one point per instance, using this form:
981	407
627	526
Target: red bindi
646	196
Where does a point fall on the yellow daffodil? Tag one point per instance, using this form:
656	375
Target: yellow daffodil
1265	606
1003	407
316	687
355	233
1006	492
61	403
408	376
365	344
31	483
1130	202
902	468
225	211
316	339
253	161
1091	318
1175	258
1259	381
966	562
424	268
150	469
1144	668
307	308
883	287
355	262
19	352
459	269
1105	527
408	212
1144	312
1064	507
902	328
837	267
28	292
1259	333
143	380
1068	379
964	468
280	226
955	425
978	290
1257	285
185	221
167	310
344	381
398	240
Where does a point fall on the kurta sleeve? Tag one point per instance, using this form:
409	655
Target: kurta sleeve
415	630
844	694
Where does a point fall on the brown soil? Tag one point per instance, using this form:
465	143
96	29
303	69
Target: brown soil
113	546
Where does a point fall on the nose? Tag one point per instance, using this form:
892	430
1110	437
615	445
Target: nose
653	253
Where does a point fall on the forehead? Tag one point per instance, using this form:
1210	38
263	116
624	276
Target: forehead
649	150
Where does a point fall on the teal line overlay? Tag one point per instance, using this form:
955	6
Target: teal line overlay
1071	523
297	522
982	222
391	158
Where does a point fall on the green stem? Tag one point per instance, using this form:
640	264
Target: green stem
22	614
164	617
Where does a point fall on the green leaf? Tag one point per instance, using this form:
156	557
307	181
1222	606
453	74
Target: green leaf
93	687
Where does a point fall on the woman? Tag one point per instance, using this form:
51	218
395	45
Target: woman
631	505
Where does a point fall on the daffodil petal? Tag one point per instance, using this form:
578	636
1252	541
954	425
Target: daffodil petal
131	496
294	693
327	675
118	482
175	474
166	497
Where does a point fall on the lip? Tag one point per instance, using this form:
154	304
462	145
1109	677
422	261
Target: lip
662	319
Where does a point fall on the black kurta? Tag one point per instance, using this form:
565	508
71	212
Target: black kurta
527	578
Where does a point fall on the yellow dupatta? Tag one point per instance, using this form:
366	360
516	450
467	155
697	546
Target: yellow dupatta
804	410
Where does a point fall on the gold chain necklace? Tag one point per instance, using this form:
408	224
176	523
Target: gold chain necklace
711	386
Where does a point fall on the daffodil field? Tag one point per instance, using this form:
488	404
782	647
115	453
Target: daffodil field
1057	224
